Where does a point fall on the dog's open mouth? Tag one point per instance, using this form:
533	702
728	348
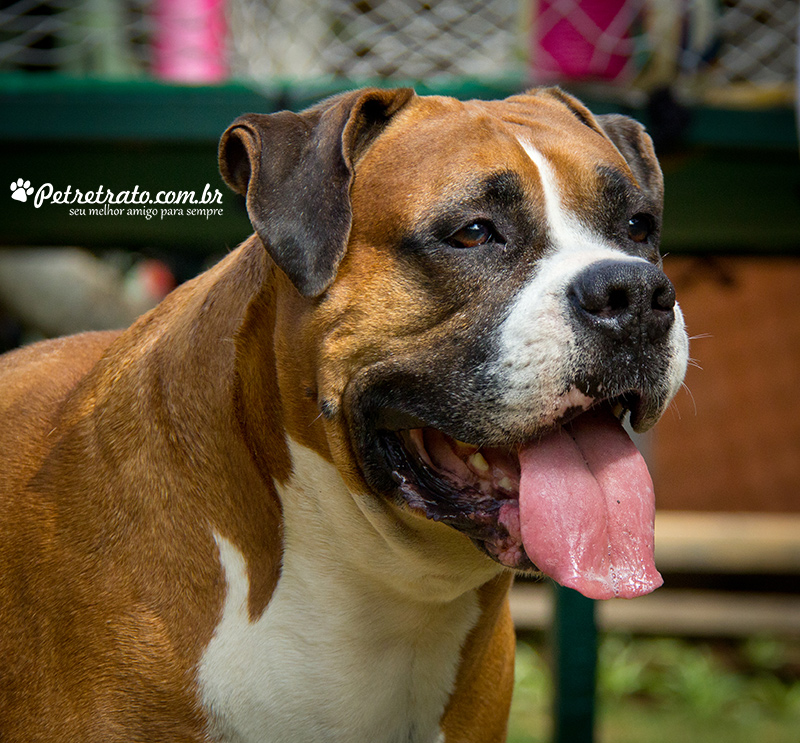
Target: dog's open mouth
576	503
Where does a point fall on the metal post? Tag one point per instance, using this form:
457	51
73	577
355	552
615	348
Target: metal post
575	667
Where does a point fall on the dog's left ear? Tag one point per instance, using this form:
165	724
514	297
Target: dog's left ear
295	171
635	145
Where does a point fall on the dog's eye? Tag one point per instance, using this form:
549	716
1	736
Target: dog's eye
640	227
473	235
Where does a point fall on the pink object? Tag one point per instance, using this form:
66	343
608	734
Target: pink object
583	39
587	509
190	41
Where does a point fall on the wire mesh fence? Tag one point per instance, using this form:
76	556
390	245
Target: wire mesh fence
708	48
376	38
84	37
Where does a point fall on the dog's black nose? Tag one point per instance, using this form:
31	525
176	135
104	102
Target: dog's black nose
624	298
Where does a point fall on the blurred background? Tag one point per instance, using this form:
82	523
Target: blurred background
136	93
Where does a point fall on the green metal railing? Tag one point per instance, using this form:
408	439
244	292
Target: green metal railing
731	187
574	666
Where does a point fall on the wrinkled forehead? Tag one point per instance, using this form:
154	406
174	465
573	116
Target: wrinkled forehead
440	149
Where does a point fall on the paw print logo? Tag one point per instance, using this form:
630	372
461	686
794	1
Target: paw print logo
20	190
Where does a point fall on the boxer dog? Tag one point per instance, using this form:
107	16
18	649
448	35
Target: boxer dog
287	504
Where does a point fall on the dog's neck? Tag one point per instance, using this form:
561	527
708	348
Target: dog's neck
382	632
367	590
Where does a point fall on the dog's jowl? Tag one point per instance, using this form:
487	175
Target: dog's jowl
287	504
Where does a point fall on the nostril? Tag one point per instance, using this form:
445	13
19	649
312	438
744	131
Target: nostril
618	300
606	304
664	297
598	297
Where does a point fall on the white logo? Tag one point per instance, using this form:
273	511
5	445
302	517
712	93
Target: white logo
102	202
20	190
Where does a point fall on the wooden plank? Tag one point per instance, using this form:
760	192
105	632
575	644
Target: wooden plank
60	108
730	543
747	201
743	543
688	612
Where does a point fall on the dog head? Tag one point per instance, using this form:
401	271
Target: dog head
474	297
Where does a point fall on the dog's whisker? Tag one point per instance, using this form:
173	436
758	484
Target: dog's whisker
691	397
674	410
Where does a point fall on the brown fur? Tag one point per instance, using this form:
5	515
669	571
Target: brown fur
122	453
124	450
479	708
122	466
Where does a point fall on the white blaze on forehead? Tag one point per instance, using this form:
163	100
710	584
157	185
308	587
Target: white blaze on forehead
571	241
565	230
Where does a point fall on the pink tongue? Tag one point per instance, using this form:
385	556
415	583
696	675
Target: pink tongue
587	509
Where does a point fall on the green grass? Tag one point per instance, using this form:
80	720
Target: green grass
666	690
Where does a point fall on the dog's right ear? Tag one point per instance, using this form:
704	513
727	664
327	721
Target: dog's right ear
635	145
295	171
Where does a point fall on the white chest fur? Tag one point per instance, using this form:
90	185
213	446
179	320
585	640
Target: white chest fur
337	657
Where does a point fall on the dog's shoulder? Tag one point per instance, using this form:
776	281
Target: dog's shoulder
50	367
35	381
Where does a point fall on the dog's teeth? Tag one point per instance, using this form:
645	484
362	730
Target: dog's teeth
478	462
506	483
462	449
619	411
